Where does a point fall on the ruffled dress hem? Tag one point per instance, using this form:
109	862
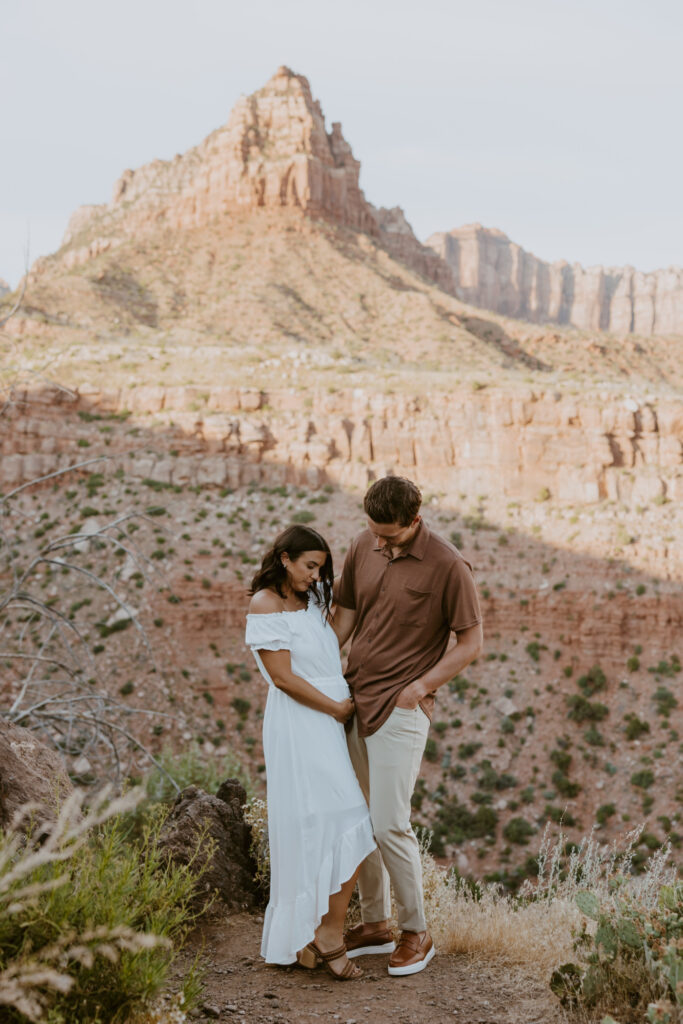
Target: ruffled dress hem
292	925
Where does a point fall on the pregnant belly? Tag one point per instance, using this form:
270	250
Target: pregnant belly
335	686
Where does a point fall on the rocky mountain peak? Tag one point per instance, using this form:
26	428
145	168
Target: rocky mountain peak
274	152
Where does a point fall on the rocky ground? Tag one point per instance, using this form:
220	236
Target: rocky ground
240	987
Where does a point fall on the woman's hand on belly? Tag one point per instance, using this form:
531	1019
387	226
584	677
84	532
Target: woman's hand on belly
346	710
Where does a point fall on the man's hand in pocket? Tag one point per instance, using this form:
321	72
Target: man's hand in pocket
410	696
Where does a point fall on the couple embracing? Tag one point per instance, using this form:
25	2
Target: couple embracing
343	754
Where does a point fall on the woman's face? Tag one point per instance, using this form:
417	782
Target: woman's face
304	571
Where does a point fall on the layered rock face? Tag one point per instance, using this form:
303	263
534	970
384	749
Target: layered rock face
274	152
492	272
519	445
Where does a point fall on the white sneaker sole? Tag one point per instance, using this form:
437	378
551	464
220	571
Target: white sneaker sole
388	947
399	972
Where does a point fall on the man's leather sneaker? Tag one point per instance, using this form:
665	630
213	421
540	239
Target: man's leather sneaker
359	943
413	953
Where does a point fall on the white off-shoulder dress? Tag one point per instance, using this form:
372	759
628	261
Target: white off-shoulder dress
319	827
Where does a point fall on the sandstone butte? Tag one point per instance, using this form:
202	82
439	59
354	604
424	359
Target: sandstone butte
260	238
274	152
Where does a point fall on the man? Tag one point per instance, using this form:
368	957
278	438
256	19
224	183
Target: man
403	592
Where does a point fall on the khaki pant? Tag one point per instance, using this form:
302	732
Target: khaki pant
387	764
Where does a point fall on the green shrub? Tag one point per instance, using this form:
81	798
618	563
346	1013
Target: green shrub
643	779
490	780
664	700
560	815
241	706
518	830
594	681
304	516
459	686
630	961
582	710
431	751
533	649
562	759
635	727
564	785
455	823
466	750
88	918
116	627
633	663
594	737
667	668
604	812
192	768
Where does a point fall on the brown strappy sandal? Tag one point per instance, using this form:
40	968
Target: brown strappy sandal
349	971
307	958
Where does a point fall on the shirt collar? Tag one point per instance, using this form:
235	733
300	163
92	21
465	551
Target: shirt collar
417	546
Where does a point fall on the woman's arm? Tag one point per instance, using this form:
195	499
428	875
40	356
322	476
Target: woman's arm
278	665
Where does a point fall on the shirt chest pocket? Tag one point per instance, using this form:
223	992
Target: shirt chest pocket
414	606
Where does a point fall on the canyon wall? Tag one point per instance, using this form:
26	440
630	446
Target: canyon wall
493	273
522	445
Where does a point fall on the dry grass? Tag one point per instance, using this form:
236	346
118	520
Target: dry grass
536	928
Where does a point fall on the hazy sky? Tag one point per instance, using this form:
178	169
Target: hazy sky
558	122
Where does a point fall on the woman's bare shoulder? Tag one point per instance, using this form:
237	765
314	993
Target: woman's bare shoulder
265	602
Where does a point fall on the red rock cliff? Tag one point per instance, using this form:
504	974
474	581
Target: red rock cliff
494	273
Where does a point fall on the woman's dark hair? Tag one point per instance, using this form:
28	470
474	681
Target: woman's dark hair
294	541
393	499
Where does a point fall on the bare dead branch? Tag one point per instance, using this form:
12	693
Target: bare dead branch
51	476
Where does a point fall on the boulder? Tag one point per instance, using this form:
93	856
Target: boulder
229	866
30	773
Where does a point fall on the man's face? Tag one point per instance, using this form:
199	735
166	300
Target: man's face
393	536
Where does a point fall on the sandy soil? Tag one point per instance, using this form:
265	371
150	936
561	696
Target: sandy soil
240	987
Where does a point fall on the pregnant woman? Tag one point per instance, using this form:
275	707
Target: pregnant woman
318	822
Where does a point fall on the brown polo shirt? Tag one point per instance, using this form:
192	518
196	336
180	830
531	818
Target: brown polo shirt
406	608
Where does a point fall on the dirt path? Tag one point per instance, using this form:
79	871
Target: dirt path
239	987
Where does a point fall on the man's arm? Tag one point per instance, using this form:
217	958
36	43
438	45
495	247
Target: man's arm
343	595
456	658
343	623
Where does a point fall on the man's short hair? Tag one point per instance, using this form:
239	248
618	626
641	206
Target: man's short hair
393	499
